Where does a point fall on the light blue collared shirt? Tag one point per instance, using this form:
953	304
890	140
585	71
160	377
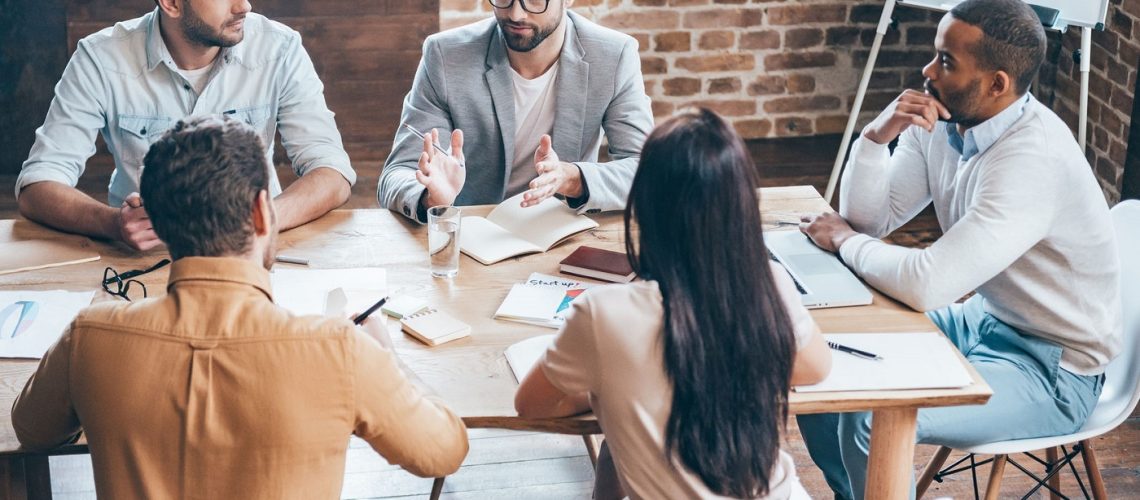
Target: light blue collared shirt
980	137
122	82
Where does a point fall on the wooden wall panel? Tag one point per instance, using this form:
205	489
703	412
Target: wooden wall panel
366	53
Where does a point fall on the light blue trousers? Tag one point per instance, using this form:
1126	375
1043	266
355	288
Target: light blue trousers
1033	397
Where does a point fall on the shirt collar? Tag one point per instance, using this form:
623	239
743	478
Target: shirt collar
224	269
980	137
157	53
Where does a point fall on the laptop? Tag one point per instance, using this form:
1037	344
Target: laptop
822	280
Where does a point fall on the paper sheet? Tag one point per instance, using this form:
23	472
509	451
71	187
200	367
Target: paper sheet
306	291
523	355
910	361
30	322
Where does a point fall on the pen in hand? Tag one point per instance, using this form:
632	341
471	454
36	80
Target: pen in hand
854	352
364	315
433	144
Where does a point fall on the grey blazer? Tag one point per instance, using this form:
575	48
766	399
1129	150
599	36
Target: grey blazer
599	87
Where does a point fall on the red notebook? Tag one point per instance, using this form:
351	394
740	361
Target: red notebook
598	264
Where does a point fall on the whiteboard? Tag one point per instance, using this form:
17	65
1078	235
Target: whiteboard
1087	13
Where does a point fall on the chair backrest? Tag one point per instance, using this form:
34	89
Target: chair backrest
1122	384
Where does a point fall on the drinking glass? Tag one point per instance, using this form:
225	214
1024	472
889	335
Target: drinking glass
443	241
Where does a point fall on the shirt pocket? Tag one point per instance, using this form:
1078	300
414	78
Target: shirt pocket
258	118
136	134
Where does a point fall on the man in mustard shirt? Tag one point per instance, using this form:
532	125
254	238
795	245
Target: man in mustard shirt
213	391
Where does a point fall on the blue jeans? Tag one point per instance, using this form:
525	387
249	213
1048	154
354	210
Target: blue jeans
1033	397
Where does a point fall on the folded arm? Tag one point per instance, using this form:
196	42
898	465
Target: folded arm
1011	212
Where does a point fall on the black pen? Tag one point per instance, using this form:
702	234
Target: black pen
854	352
364	315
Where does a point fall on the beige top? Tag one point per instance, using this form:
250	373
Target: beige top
212	391
610	347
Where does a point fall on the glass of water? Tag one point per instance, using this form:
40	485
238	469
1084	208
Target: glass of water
443	241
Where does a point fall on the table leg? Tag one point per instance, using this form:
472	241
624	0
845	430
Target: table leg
891	464
25	478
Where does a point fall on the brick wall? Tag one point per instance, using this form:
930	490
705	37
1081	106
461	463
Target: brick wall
1112	84
776	68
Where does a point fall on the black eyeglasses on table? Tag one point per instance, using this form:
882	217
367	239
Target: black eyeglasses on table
532	6
118	284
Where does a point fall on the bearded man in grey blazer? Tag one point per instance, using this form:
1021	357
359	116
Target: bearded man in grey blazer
526	96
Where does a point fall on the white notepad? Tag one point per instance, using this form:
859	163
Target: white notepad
434	327
522	356
924	360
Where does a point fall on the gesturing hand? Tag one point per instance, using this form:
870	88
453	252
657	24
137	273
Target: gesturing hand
134	225
554	176
442	175
910	108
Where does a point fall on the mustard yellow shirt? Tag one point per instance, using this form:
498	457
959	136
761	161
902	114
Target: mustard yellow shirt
213	391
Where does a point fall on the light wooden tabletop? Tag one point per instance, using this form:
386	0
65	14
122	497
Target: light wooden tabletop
471	374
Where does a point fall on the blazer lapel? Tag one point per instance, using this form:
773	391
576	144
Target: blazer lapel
498	80
570	100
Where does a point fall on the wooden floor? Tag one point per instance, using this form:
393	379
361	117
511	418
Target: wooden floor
518	465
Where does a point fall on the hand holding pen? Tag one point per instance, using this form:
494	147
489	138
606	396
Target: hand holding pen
378	330
440	172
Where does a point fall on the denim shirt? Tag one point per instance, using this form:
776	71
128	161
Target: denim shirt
980	137
123	83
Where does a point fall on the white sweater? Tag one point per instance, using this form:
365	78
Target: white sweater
1025	225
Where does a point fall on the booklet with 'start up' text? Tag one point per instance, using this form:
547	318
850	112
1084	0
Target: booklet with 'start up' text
542	300
511	230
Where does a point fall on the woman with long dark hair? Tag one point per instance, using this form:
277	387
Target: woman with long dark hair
688	371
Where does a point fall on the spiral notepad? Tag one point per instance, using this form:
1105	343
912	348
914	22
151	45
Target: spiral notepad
434	327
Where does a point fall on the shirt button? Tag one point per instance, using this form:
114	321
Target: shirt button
187	87
142	132
407	211
593	211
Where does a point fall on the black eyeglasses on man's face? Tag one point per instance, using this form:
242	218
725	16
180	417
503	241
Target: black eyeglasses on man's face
531	6
121	284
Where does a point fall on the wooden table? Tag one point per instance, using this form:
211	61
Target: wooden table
471	374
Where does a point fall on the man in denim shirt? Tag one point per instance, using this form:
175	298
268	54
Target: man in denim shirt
133	81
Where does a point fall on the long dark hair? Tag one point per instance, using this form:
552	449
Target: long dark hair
728	343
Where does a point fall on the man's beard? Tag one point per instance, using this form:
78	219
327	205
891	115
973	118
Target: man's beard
520	43
198	32
962	104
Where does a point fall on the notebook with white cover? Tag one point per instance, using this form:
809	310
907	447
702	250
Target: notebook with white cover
522	356
910	361
511	230
434	327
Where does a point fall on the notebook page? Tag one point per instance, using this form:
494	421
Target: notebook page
522	356
489	243
910	361
543	225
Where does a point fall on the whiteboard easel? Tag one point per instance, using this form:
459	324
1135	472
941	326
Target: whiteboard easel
1091	16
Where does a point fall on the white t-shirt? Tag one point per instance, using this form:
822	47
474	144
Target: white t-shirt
534	116
197	77
611	348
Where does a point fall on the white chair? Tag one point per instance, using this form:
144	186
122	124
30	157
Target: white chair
1117	399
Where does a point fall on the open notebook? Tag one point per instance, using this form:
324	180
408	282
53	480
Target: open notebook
511	230
910	361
